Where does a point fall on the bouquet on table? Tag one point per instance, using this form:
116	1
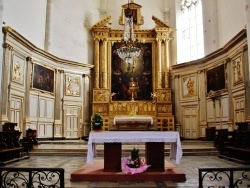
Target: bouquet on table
134	164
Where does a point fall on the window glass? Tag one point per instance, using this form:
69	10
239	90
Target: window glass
191	44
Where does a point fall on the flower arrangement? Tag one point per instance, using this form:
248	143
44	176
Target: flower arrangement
134	164
97	122
135	161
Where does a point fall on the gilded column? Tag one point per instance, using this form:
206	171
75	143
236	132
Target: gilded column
109	61
96	64
104	65
166	65
6	81
159	65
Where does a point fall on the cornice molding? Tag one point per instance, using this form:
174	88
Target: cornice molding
10	34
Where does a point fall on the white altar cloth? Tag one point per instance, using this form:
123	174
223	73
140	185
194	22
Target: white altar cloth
133	118
135	136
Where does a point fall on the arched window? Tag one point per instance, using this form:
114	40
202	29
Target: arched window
190	39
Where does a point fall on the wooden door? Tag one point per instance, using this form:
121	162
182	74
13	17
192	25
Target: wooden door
72	116
16	105
190	122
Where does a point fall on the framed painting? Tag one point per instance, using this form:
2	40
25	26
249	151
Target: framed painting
132	80
216	79
43	78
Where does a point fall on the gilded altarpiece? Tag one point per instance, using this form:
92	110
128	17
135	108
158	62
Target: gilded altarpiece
114	80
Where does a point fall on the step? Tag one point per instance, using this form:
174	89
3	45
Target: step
80	148
100	152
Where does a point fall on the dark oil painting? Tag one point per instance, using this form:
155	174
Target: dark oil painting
216	79
43	78
134	77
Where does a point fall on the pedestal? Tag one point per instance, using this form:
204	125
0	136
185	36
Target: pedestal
155	156
112	157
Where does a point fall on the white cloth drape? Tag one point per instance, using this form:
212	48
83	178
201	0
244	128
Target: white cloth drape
135	136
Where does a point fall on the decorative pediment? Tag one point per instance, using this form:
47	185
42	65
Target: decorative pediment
138	19
159	23
102	23
132	6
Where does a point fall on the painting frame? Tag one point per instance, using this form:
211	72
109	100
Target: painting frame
43	78
216	79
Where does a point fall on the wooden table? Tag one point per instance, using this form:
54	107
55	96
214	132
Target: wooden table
154	143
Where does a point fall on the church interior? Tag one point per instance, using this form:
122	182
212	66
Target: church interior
162	66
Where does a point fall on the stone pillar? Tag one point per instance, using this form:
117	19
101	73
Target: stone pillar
6	81
58	104
28	79
1	57
200	89
96	64
86	109
48	26
158	65
248	33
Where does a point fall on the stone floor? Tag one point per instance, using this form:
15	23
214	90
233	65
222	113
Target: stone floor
189	166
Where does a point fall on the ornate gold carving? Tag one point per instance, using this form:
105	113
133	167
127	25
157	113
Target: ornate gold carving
164	108
139	108
237	70
101	95
6	29
138	19
163	95
161	104
102	23
73	85
100	108
6	45
17	72
29	59
160	23
189	86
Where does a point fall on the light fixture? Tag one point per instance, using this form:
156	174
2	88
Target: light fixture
129	47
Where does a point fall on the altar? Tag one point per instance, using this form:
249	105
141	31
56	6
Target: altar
154	143
133	122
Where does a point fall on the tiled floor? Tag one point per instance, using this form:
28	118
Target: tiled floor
189	166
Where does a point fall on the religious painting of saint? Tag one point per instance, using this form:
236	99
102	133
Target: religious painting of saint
43	78
132	80
216	79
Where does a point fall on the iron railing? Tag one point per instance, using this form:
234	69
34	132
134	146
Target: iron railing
31	177
235	177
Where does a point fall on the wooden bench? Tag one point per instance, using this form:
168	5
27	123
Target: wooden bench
238	149
222	139
30	140
10	148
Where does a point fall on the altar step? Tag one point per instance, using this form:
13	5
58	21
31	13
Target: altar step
80	148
